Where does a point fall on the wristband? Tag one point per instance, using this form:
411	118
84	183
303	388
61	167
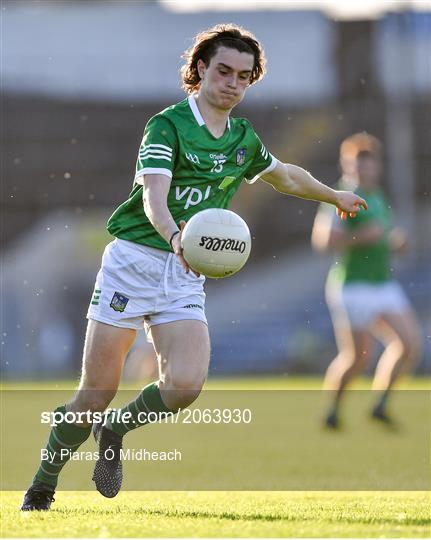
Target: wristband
172	237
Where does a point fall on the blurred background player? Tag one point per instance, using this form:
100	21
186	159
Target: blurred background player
364	299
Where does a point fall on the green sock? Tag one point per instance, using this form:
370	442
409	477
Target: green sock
64	436
382	402
148	401
333	409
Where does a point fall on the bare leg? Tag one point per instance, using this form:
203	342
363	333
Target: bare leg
182	348
105	350
355	348
401	335
403	344
183	351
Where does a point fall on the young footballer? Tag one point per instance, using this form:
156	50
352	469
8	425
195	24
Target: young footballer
193	156
364	299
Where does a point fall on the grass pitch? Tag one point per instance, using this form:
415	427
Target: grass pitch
236	514
223	514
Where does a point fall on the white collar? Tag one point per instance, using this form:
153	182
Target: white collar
196	112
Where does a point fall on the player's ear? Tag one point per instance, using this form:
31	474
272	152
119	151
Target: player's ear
201	67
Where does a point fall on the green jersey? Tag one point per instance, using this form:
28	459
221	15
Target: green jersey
366	263
205	171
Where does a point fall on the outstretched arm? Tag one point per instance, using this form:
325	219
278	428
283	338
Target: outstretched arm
293	180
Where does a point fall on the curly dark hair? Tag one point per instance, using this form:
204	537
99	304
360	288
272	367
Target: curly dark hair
206	44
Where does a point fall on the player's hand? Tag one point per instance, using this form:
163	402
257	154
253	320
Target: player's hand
348	204
178	250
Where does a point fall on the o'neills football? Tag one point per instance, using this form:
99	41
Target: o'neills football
216	242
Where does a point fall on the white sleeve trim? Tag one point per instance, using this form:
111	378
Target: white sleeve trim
270	168
151	170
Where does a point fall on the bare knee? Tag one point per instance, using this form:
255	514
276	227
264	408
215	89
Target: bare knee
354	360
410	348
180	389
181	392
180	398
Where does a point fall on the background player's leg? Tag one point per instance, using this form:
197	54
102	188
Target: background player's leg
401	334
355	348
104	353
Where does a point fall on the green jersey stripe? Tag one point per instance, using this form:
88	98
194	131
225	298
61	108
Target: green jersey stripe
148	156
161	146
150	148
154	152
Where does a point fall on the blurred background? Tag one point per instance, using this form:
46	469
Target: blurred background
79	82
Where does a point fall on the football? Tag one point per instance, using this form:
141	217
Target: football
216	242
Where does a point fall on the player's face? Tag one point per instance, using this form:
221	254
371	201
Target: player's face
225	79
368	171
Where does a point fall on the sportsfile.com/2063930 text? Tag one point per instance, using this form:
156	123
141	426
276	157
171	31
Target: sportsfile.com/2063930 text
183	416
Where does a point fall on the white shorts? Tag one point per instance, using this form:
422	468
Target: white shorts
139	286
363	303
